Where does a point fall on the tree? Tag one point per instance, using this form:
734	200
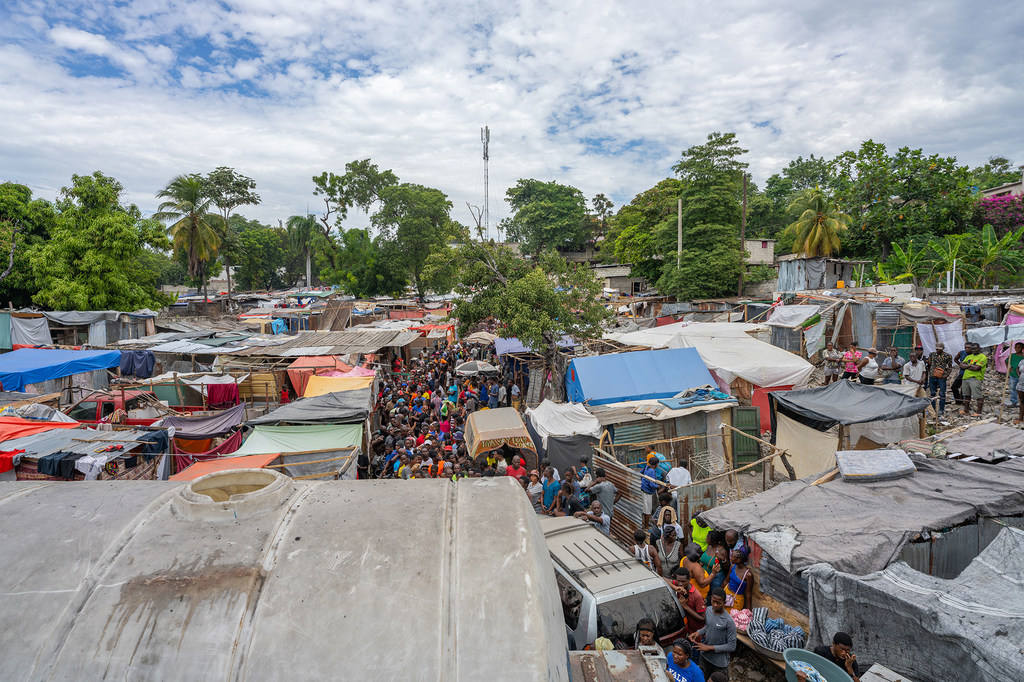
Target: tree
546	215
229	190
602	206
894	197
710	265
25	224
636	224
300	235
91	258
819	226
768	211
995	256
535	302
712	178
188	206
998	171
415	219
952	253
906	263
261	254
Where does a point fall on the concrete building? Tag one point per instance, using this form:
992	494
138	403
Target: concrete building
1009	189
759	251
618	277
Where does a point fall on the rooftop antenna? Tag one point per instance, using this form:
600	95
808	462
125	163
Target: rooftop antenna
485	138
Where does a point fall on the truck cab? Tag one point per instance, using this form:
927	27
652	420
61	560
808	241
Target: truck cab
97	407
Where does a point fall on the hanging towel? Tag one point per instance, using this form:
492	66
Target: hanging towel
221	395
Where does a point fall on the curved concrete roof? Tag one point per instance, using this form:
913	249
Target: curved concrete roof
151	580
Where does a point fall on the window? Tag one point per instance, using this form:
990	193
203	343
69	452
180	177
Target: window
764	243
108	409
617	619
84	411
572	600
134	404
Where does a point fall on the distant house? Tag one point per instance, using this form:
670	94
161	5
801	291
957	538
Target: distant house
759	251
800	273
618	277
1009	189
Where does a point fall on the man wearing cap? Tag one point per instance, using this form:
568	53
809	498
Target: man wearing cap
891	365
940	364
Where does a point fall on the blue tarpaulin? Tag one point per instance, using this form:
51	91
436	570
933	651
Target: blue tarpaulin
32	365
643	375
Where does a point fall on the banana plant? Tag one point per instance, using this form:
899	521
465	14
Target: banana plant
995	256
953	249
909	263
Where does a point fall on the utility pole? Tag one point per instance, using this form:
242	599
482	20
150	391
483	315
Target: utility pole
743	236
485	138
679	234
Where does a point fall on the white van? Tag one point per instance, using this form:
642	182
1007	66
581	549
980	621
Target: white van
605	591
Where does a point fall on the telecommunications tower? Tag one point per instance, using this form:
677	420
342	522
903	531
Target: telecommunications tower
485	137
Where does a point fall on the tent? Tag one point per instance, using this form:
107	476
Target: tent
313	451
601	379
320	385
218	424
562	419
488	430
306	366
970	623
867	416
194	471
861	527
26	366
728	350
475	367
346	407
354	372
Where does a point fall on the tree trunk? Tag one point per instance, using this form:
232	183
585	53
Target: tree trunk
206	294
227	269
554	389
309	270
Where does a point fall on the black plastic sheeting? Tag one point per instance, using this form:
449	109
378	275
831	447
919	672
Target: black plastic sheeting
566	451
343	407
843	402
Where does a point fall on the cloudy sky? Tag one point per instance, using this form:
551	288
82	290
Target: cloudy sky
600	95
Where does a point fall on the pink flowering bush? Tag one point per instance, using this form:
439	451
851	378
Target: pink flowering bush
1004	213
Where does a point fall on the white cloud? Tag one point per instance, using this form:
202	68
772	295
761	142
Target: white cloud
282	92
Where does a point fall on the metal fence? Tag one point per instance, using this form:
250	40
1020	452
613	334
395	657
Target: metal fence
945	555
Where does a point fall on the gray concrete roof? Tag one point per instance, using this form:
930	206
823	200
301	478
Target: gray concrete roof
151	580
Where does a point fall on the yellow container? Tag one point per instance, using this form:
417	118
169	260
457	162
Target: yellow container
840	284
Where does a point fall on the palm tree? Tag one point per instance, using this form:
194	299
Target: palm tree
188	205
818	226
300	233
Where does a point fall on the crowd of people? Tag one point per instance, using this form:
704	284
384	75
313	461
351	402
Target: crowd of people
935	372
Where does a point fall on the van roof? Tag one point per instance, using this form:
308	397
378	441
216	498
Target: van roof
593	558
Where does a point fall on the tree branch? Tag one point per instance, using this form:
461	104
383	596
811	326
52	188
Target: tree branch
14	245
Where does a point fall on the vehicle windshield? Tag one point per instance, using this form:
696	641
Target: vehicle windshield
617	619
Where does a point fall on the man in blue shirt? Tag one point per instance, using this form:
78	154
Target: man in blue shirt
551	488
649	488
680	667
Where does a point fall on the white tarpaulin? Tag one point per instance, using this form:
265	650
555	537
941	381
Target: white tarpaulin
809	451
993	336
30	331
562	419
792	315
951	334
814	338
728	350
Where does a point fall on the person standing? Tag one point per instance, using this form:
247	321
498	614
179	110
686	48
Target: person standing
604	491
648	489
1013	364
974	375
914	371
669	548
940	363
679	665
851	360
957	386
717	637
644	553
867	369
891	366
830	360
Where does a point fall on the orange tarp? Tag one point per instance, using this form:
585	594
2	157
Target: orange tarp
16	427
223	464
306	366
319	385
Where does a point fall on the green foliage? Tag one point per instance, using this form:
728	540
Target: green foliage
536	302
982	258
301	232
712	179
194	227
998	171
710	266
546	215
760	273
260	256
415	221
28	222
768	212
636	224
895	197
91	259
820	223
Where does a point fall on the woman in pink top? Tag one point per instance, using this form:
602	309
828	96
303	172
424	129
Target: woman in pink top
851	358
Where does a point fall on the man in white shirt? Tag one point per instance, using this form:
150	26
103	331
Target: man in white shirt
915	370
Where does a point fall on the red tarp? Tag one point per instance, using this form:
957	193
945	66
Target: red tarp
759	399
224	464
306	366
184	457
16	427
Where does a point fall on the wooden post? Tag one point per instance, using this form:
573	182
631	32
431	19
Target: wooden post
177	389
1006	381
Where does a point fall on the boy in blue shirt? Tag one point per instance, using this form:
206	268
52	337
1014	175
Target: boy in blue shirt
680	667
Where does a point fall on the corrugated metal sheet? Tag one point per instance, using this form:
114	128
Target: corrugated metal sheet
946	554
694	499
887	315
636	432
337	343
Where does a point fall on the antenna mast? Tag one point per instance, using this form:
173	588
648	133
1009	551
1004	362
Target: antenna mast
485	138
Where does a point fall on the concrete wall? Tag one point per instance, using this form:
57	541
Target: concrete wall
759	251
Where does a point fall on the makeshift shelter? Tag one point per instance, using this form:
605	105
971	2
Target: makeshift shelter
314	451
210	466
740	362
320	385
503	346
347	407
601	379
65	451
563	432
867	416
303	368
987	443
499	429
29	329
475	367
40	370
923	626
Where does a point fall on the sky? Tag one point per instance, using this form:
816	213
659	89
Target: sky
600	95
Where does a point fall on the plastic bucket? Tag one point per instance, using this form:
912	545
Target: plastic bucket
826	668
